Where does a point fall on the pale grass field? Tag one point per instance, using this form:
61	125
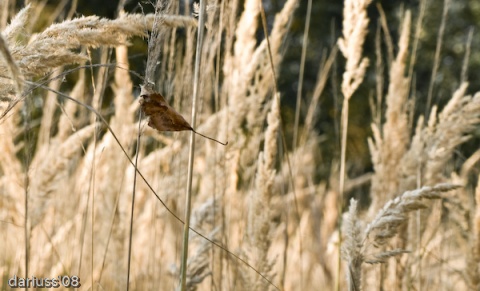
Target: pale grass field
66	184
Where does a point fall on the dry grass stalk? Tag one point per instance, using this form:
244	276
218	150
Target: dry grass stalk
355	22
301	75
435	143
191	152
361	245
390	142
322	79
199	264
259	219
474	261
436	62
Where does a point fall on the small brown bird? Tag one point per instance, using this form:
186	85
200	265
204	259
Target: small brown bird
162	116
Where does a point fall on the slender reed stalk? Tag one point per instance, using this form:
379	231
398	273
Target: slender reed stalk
343	150
85	213
216	279
27	159
355	21
92	230
468	46
416	39
386	32
323	73
300	77
191	152
137	153
436	62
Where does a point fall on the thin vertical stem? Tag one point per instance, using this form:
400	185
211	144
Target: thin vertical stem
137	153
343	154
214	278
27	159
300	77
191	155
436	61
468	45
416	39
28	148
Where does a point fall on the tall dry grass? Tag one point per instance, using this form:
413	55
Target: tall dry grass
66	171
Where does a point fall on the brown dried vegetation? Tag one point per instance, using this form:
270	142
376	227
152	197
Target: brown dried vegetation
65	179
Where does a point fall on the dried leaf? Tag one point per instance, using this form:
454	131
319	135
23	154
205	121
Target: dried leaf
162	116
